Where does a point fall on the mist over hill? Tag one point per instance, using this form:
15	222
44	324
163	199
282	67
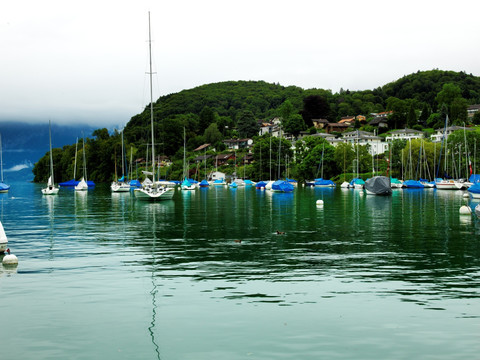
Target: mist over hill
24	144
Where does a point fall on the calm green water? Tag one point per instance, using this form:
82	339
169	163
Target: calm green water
205	276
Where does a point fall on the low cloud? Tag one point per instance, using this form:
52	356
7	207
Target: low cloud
15	168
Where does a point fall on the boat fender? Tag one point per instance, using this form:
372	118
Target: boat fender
319	202
9	259
465	210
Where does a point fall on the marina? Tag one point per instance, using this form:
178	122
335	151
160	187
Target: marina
239	273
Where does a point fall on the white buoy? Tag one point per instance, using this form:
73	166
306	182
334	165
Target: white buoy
465	195
9	259
465	210
319	202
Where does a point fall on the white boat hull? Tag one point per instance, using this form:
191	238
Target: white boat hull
120	187
50	191
446	185
152	194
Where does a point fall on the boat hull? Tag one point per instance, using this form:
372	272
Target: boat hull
154	194
50	191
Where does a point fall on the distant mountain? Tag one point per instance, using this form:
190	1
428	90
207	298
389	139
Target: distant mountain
24	144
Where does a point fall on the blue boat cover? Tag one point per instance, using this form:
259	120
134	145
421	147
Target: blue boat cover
260	184
204	183
413	184
248	182
474	178
73	183
475	188
291	180
282	185
4	187
323	182
135	183
357	181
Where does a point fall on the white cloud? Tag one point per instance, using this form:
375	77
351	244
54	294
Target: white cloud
15	168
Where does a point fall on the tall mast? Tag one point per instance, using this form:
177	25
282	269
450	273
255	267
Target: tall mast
51	156
151	97
1	157
75	164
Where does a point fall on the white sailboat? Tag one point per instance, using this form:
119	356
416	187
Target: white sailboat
3	239
154	191
120	186
82	185
3	187
51	189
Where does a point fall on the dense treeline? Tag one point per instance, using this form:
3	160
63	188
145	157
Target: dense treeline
213	112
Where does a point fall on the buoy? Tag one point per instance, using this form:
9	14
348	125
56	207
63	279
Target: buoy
465	195
9	259
465	210
319	202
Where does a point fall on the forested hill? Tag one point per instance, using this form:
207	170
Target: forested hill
226	102
215	112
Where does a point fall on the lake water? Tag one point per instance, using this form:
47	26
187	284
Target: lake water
205	276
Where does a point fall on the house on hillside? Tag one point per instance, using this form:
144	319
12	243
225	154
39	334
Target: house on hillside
379	121
350	120
222	159
449	130
236	144
319	123
405	134
337	127
376	145
202	147
472	109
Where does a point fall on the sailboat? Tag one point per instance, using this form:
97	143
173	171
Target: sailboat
154	191
82	185
321	182
120	185
3	240
186	184
3	187
440	183
50	189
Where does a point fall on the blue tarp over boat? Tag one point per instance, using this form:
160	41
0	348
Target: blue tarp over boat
73	183
4	187
135	183
204	183
413	184
323	182
260	184
282	185
474	178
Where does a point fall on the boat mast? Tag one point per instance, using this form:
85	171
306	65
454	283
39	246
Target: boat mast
151	97
51	156
1	157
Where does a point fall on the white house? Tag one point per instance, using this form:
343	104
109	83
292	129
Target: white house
405	134
447	131
376	145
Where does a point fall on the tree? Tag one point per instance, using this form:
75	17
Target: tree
212	134
247	125
426	111
411	117
294	125
314	107
206	117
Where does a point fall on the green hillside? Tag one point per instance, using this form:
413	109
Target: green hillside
233	109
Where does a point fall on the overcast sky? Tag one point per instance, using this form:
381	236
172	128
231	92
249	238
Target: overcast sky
85	61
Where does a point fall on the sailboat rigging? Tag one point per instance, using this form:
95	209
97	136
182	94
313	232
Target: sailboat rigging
153	191
51	189
3	187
